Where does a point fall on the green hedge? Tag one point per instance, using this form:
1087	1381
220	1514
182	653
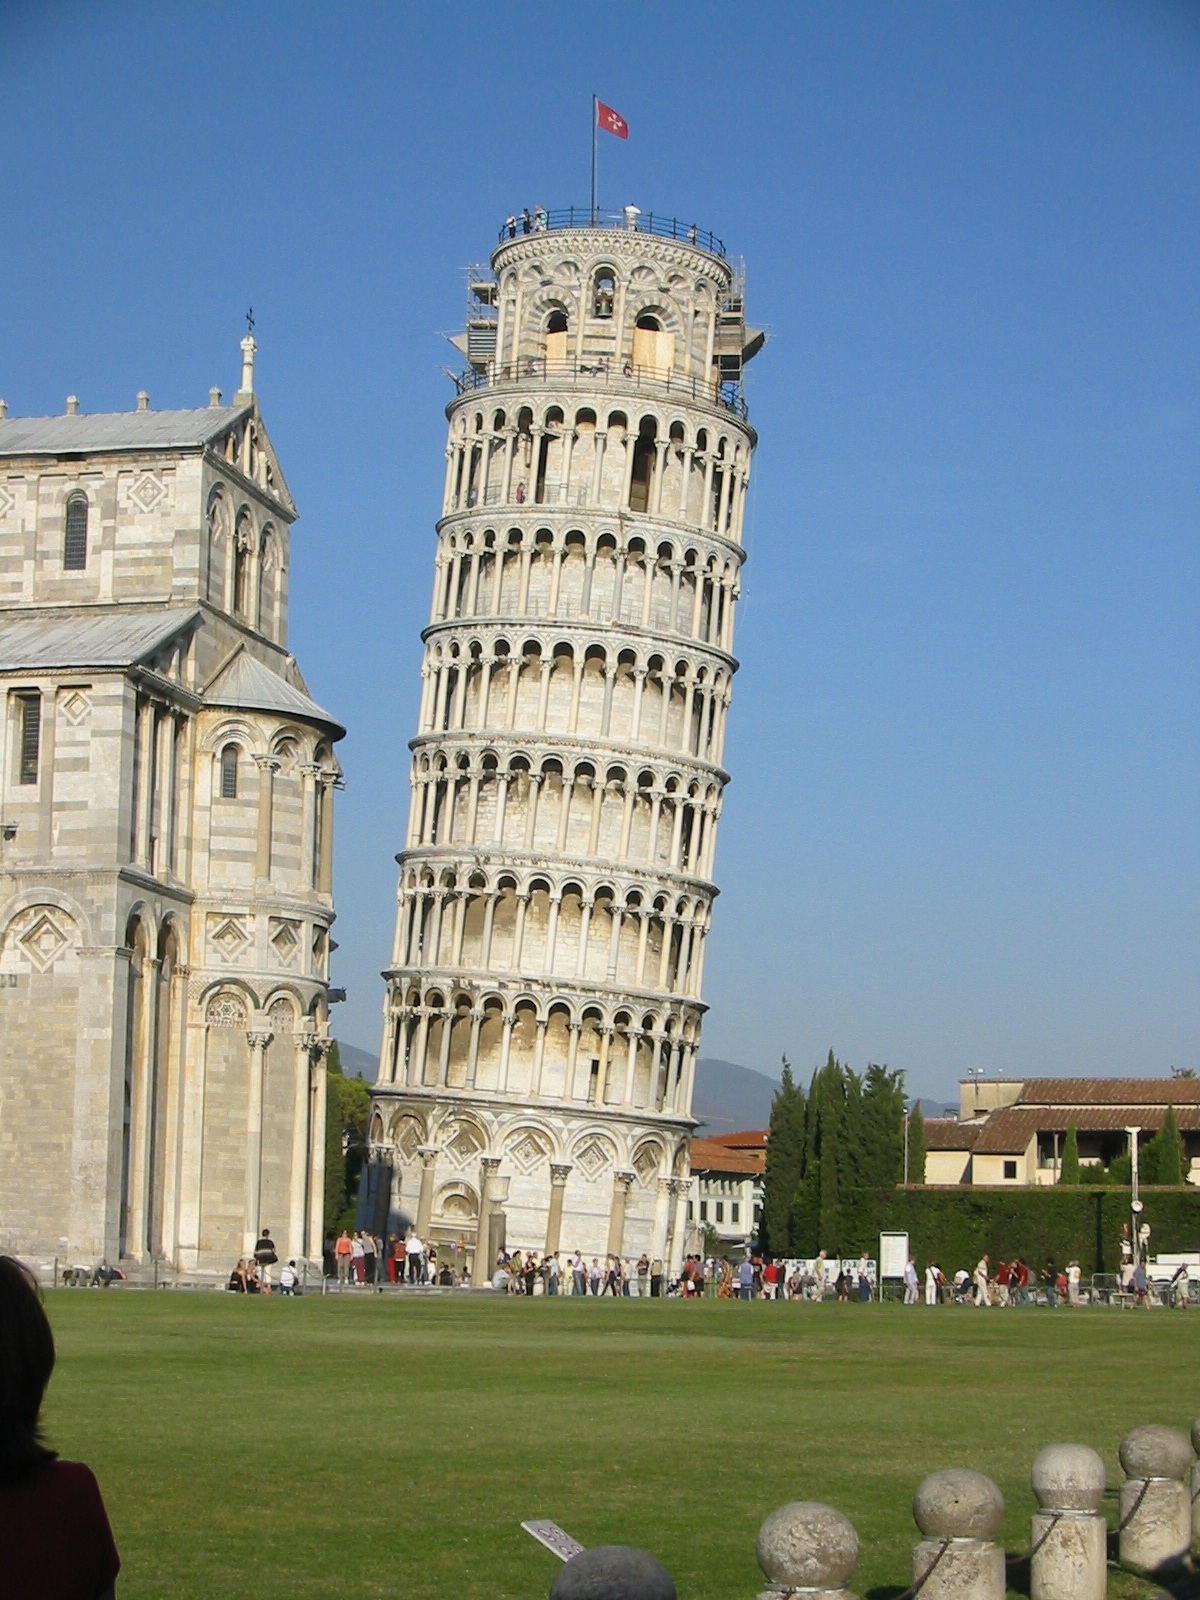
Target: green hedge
954	1227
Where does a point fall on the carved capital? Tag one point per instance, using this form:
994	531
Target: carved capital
268	763
428	1154
307	1041
490	1165
560	1171
622	1181
259	1038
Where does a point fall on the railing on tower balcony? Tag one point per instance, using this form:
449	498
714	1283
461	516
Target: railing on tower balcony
597	373
540	220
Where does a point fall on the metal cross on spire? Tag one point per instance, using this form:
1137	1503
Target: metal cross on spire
250	320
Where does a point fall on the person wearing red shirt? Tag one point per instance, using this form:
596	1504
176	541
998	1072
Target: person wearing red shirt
55	1539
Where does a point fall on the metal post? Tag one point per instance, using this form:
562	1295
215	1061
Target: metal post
906	1147
595	114
1135	1204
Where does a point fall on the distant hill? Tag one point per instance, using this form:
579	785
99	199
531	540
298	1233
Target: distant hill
357	1063
729	1097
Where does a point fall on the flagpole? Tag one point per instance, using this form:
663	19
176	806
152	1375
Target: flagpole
594	114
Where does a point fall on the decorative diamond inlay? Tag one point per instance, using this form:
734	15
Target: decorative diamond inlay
285	941
645	1163
44	943
75	708
463	1145
6	501
230	939
147	491
593	1158
528	1152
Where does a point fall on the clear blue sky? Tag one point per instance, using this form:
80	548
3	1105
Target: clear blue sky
962	828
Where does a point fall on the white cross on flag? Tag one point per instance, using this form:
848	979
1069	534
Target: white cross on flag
611	121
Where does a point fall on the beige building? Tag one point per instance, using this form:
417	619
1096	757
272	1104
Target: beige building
1010	1131
726	1194
166	835
543	1003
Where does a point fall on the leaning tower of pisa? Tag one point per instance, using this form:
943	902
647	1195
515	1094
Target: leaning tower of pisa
543	1006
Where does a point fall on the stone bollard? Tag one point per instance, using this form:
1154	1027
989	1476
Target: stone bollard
807	1548
959	1512
612	1572
1196	1483
1156	1515
1070	1535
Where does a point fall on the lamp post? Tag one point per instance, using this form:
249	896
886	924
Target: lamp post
907	1109
1135	1205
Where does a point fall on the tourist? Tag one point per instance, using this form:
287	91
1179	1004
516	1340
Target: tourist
841	1285
981	1282
239	1281
631	213
1003	1279
526	221
595	1277
656	1278
1074	1274
510	223
289	1279
342	1254
55	1538
368	1244
265	1256
1177	1294
962	1286
746	1279
611	1276
578	1274
1141	1286
770	1280
253	1281
356	1257
1023	1283
931	1284
698	1275
692	234
530	1272
553	1272
912	1284
390	1258
643	1275
429	1275
541	219
414	1251
1050	1279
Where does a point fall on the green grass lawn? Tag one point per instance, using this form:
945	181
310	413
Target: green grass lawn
391	1446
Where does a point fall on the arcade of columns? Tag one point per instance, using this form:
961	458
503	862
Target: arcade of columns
543	1007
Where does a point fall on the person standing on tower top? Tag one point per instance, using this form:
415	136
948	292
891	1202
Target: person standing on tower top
631	213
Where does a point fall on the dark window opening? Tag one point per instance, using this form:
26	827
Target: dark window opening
602	305
1010	1169
229	772
31	736
734	1211
75	539
643	467
557	322
650	324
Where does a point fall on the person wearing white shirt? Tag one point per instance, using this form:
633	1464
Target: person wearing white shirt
912	1284
931	1284
414	1250
981	1282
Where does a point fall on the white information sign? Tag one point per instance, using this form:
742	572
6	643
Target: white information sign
893	1255
554	1538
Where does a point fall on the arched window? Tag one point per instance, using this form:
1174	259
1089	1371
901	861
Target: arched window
75	539
603	294
557	322
229	772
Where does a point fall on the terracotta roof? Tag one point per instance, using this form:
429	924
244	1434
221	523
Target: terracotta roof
1110	1092
713	1155
948	1133
1008	1131
747	1139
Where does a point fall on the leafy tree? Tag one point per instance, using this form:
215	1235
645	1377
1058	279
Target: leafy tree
347	1106
916	1145
1068	1171
1183	1072
1161	1159
881	1133
785	1163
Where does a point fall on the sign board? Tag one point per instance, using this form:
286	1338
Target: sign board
554	1538
893	1255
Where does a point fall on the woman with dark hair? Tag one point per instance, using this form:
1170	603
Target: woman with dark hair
55	1541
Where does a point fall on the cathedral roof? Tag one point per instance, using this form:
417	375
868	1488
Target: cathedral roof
245	683
41	643
114	430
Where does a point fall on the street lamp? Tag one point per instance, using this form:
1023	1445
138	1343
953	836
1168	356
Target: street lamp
1135	1205
907	1109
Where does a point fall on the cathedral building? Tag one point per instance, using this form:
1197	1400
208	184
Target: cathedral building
543	1007
166	840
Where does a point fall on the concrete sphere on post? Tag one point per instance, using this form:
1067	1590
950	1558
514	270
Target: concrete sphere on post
613	1572
1156	1511
806	1545
959	1511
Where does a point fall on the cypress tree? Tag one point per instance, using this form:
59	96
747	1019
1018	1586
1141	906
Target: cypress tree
916	1145
806	1209
785	1164
1170	1151
834	1162
1068	1172
881	1155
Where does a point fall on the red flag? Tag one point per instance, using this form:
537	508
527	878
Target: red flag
611	121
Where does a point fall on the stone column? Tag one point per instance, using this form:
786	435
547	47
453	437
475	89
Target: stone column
473	1047
959	1512
316	1186
428	1154
258	1040
807	1549
303	1045
662	1215
328	782
622	1182
1155	1503
309	772
677	1227
481	1267
1069	1539
560	1171
539	1051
